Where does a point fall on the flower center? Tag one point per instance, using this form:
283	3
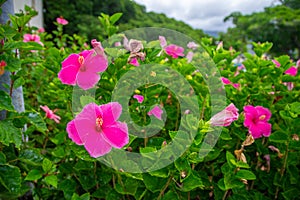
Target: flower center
99	123
262	117
81	62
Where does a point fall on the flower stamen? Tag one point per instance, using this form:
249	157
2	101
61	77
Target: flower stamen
262	117
99	123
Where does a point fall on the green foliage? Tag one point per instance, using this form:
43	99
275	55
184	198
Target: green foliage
42	161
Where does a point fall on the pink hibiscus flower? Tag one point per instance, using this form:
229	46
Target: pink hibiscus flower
192	45
174	51
292	71
134	61
50	114
139	98
256	119
96	127
32	38
190	56
156	111
83	68
226	116
226	81
61	21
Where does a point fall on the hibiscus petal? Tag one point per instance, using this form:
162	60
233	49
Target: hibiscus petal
95	62
73	134
263	111
85	127
117	135
96	145
87	80
68	74
266	129
255	131
110	112
72	59
89	112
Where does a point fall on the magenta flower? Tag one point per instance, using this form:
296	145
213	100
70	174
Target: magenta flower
32	38
2	66
83	68
174	51
225	81
134	61
50	114
156	111
292	71
256	119
139	98
61	21
96	127
226	116
277	64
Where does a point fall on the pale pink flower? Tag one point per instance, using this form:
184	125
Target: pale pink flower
226	116
163	42
96	127
50	114
174	51
256	119
117	44
134	61
32	38
83	68
298	63
41	30
277	64
190	56
139	98
192	45
156	111
61	21
292	71
220	45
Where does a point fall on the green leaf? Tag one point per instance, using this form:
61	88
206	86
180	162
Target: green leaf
31	157
10	134
289	78
129	186
33	175
5	102
19	82
85	196
84	100
68	186
230	159
36	119
115	17
51	180
245	174
47	165
191	182
2	158
10	178
154	184
295	107
279	137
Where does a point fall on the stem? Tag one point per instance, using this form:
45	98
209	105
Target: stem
282	170
225	195
165	187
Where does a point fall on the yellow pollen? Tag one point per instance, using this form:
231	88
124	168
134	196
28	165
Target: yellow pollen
262	117
99	122
81	59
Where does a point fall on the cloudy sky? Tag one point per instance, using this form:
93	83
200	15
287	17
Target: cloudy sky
204	14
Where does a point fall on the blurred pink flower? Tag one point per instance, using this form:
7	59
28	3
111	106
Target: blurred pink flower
156	111
117	44
83	68
32	38
96	127
298	63
226	116
163	42
139	98
190	56
220	45
236	85
174	51
256	119
192	45
134	61
41	30
226	81
2	66
61	21
276	63
50	114
292	71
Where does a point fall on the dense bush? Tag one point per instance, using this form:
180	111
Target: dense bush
207	145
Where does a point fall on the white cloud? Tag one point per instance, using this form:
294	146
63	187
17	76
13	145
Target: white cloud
204	14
